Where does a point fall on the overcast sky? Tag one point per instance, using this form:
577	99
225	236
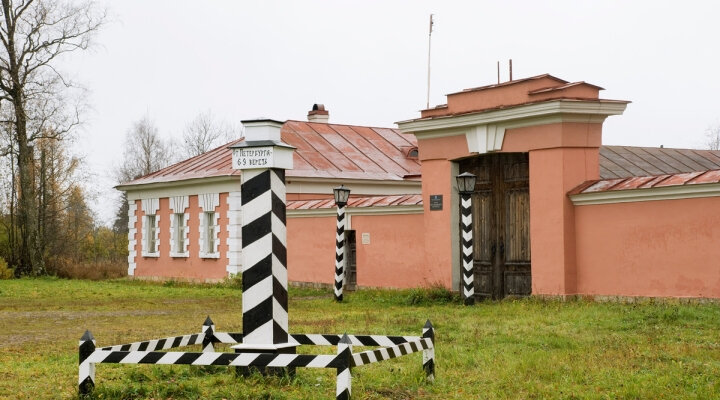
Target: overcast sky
367	62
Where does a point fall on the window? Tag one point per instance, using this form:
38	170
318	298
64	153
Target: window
209	233
150	234
209	225
179	233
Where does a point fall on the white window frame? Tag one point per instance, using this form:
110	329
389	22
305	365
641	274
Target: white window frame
150	208
208	203
179	225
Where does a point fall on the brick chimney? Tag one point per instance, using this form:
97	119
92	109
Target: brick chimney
318	114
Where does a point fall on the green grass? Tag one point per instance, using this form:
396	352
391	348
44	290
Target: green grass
515	349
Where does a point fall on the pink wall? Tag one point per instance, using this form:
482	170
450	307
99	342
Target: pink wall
393	258
192	267
311	249
653	248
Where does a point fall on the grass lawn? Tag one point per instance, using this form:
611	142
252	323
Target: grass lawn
521	349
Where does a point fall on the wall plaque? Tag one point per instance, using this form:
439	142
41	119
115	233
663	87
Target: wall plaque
436	202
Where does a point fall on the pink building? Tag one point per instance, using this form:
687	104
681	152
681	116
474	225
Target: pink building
554	211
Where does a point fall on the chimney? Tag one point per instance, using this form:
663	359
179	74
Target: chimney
262	130
318	114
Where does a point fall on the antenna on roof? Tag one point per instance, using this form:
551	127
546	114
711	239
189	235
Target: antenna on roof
498	67
510	66
429	46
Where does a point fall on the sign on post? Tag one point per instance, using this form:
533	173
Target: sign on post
253	157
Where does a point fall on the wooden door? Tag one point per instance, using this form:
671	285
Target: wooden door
501	224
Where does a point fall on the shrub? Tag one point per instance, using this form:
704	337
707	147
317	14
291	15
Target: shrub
435	293
63	267
5	271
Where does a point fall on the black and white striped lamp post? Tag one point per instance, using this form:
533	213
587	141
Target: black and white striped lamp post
263	159
341	198
466	186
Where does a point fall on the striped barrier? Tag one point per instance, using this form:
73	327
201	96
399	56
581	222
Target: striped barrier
149	352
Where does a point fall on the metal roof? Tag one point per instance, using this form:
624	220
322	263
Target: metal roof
358	202
647	182
626	161
322	151
625	168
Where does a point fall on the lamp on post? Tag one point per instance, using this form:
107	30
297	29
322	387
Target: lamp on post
341	194
466	186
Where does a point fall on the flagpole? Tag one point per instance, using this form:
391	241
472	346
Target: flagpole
429	46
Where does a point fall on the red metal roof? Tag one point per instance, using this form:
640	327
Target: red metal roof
358	202
646	182
322	151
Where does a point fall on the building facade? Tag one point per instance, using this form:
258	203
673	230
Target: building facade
555	213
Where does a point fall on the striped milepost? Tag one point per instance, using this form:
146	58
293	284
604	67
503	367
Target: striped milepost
340	253
264	270
467	249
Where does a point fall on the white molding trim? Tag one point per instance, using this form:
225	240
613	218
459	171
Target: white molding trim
678	192
234	240
485	138
150	205
359	186
350	211
178	204
186	187
132	237
208	201
561	110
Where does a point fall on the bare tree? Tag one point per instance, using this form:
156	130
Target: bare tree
144	152
34	35
205	133
712	137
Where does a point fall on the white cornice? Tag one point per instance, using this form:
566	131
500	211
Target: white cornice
177	183
650	194
224	184
515	117
351	211
358	186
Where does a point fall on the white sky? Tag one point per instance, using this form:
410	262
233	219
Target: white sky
367	62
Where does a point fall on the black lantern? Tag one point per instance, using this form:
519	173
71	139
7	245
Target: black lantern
465	183
341	195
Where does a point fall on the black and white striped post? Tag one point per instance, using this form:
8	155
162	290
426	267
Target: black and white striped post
466	186
341	194
208	328
263	159
86	372
429	353
343	386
